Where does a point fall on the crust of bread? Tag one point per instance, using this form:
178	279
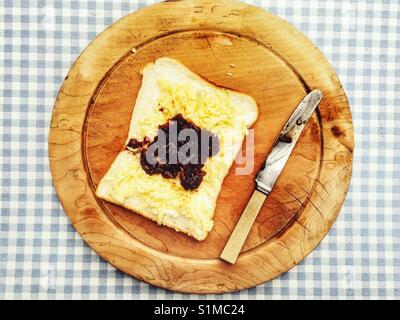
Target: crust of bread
206	82
180	223
150	215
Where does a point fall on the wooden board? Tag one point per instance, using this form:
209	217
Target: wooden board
236	46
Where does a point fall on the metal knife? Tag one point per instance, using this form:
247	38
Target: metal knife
270	172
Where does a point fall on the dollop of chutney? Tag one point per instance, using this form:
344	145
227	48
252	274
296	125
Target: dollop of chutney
179	149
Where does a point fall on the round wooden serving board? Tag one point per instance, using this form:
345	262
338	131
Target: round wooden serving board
232	45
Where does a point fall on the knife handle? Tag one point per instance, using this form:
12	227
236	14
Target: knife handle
239	234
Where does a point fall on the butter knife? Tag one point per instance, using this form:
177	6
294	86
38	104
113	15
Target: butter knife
270	172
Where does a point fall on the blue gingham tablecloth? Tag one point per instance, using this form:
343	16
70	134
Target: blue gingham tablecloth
41	255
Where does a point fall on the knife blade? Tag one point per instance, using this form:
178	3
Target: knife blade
286	141
270	172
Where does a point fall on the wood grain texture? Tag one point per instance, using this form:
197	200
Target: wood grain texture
237	46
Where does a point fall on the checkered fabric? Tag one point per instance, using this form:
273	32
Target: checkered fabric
41	255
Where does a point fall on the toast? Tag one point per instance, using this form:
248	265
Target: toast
169	89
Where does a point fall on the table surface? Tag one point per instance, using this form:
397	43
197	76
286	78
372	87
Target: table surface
41	255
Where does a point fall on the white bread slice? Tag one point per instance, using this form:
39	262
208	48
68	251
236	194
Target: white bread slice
169	88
